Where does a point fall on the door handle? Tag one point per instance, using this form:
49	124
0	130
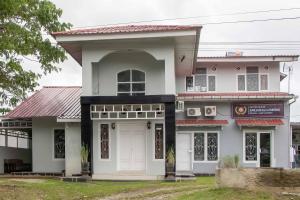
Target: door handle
190	151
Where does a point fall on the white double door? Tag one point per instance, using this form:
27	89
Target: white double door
132	147
183	152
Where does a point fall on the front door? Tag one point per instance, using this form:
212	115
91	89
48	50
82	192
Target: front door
265	150
183	152
132	147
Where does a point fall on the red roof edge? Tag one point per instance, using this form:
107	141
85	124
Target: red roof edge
259	122
199	122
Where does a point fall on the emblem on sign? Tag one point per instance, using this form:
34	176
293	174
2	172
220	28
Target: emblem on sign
240	110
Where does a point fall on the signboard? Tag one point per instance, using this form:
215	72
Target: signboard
265	110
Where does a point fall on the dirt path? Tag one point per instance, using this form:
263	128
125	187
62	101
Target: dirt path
155	194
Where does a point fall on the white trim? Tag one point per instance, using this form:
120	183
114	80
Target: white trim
153	141
109	142
67	120
53	149
130	82
258	132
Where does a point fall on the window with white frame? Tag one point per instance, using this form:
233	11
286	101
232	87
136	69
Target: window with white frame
131	83
250	147
206	146
104	141
159	141
252	80
201	81
59	143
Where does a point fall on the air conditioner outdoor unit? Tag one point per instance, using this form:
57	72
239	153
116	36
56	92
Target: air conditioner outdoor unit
210	111
193	112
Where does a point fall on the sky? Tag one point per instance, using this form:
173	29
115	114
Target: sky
101	12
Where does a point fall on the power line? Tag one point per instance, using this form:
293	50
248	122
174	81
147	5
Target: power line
192	17
250	21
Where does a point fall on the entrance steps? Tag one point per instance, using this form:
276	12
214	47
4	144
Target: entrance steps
126	177
185	175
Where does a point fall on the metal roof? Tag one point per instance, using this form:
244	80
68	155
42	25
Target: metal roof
126	29
51	101
259	122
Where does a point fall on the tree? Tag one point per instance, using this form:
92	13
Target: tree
24	26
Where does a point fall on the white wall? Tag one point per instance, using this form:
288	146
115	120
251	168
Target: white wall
73	147
226	75
14	153
43	145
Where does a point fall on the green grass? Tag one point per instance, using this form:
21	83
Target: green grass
50	189
55	189
227	194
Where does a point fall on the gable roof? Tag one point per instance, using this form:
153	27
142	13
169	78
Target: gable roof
126	29
52	101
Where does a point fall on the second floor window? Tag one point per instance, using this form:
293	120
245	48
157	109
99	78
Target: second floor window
131	83
201	82
252	80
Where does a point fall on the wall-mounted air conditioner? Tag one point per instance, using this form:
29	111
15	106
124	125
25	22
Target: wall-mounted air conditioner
210	111
193	112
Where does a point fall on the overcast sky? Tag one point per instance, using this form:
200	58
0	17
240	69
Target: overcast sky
98	12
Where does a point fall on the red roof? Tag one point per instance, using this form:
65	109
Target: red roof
234	95
259	122
49	102
127	29
201	122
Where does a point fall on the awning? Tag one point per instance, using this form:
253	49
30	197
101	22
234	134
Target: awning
201	122
258	122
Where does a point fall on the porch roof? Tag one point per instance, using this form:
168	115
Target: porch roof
259	122
201	122
51	101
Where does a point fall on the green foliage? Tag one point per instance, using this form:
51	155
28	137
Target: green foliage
230	162
23	26
84	153
171	156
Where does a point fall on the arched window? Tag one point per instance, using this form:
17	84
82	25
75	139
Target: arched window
131	83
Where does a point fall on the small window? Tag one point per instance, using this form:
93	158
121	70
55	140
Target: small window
189	83
251	146
264	82
159	141
252	79
131	83
59	143
199	146
241	83
211	83
104	141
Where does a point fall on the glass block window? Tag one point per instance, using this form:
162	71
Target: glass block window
199	146
131	83
104	141
212	146
264	82
59	143
159	141
251	146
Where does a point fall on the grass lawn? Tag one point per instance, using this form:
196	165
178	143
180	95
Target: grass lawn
202	188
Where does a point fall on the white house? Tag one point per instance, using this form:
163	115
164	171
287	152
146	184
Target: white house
144	92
